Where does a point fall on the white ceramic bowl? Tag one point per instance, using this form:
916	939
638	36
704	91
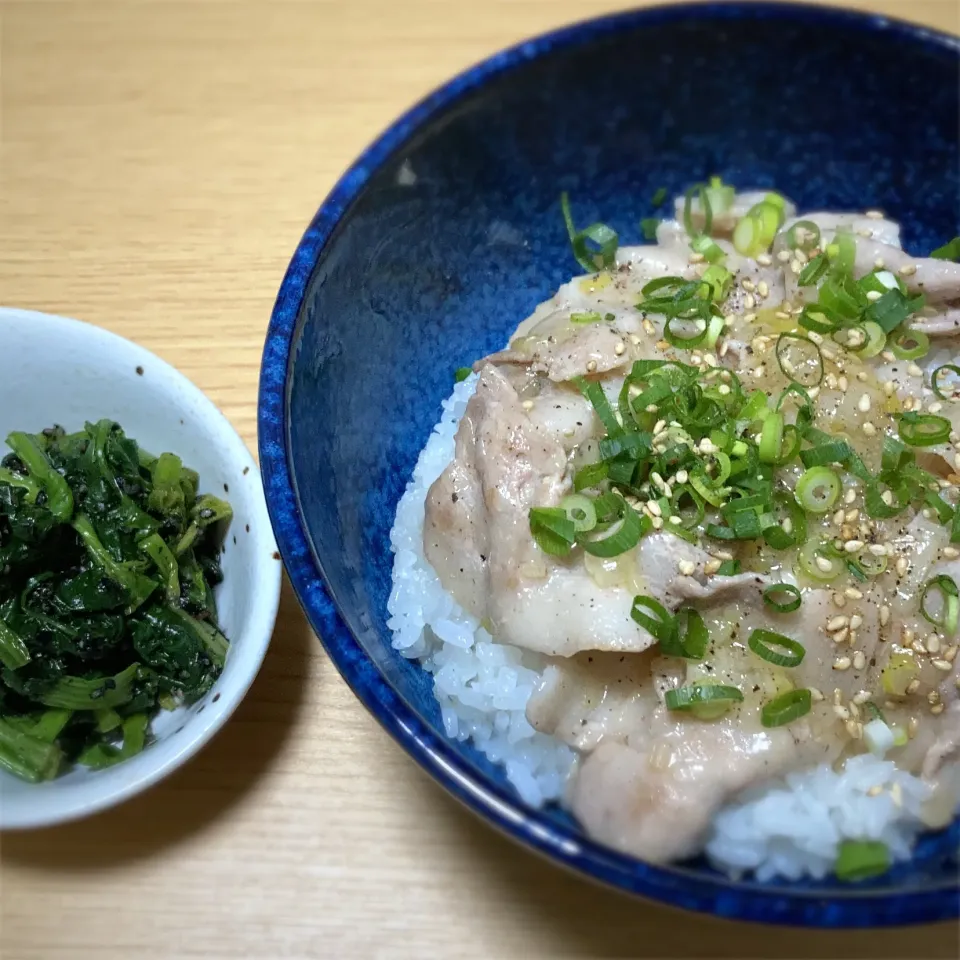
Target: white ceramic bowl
54	370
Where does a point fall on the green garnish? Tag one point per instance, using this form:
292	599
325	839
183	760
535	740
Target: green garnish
861	860
947	618
659	196
461	374
786	708
949	251
768	645
782	597
110	558
595	247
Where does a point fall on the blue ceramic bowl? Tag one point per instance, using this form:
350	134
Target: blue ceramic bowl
447	232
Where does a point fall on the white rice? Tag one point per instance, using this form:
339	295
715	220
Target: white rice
790	827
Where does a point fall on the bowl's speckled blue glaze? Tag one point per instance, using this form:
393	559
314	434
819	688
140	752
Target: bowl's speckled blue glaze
447	232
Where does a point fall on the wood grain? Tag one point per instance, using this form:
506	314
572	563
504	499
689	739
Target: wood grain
158	162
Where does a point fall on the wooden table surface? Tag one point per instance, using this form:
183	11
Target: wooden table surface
158	162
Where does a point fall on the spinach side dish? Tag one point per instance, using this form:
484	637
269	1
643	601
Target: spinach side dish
108	560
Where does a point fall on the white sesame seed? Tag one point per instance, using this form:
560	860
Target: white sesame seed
854	710
815	694
682	476
887	497
874	295
763	288
874	215
711	566
841	711
686	567
795	266
675	520
749	285
852	593
850	496
913	686
879	263
839	600
875	790
800	255
620	349
855	729
654	508
901	566
853	546
933	696
866	234
591	366
933	644
851	515
914	370
863	404
749	302
951	553
884	615
935	407
841	663
889	387
724	554
842	635
824	565
862	376
837	695
648	326
783	256
943	665
859	660
950	654
764	260
657	523
856	622
862	697
843	383
838	517
752	318
878	549
913	725
869	429
527	404
835	623
908	271
908	636
697	258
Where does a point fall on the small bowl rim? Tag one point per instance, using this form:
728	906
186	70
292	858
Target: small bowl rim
199	729
672	886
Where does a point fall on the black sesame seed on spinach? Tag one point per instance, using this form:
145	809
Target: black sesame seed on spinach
108	560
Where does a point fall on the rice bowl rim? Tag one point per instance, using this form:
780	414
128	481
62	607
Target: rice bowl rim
672	885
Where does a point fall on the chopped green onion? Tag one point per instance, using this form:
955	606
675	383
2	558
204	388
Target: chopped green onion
861	860
783	597
632	526
580	512
711	251
908	344
590	475
818	489
841	298
654	618
814	318
935	379
461	374
950	602
786	708
686	698
803	235
830	451
721	195
648	226
764	644
796	368
842	252
875	339
892	309
592	258
701	191
553	531
813	271
949	251
692	633
659	196
729	568
771	438
598	399
776	534
923	429
590	316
